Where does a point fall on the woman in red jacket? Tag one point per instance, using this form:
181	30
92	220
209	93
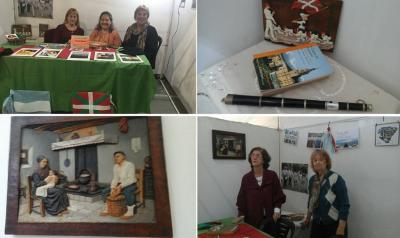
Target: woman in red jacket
260	196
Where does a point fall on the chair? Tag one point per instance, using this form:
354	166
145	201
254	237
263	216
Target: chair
286	226
139	187
32	198
160	40
49	35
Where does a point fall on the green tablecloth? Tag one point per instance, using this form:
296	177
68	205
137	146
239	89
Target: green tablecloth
132	86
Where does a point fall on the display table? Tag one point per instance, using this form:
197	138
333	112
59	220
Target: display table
244	230
236	75
132	86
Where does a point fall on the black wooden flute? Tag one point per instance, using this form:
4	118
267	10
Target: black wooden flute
261	101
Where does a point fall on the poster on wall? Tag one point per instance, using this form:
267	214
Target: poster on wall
387	134
294	177
35	8
314	140
291	136
347	139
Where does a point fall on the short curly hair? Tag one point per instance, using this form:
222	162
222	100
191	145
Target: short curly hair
266	157
142	8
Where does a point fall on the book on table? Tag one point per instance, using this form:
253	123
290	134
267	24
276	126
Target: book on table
284	69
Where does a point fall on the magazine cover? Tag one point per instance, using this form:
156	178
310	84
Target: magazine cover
281	70
105	56
129	59
27	52
295	22
79	55
49	53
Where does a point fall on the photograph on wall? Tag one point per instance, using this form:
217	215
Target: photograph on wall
294	177
296	22
347	139
291	136
35	8
228	145
314	140
387	134
87	170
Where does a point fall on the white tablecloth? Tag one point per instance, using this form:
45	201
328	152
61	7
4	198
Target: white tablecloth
236	75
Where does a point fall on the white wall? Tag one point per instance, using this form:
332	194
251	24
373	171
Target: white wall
6	18
367	40
180	156
371	174
226	27
219	180
180	59
122	11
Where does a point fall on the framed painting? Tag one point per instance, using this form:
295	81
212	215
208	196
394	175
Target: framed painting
387	134
295	22
228	145
88	176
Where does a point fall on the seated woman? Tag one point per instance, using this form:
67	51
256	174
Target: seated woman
56	202
70	27
105	31
141	37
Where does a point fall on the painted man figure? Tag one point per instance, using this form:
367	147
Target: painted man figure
269	24
124	179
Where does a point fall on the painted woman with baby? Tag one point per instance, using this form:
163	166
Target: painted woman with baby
55	199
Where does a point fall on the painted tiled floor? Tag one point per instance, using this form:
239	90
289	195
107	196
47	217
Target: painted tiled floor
80	211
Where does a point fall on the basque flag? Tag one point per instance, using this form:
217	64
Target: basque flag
91	102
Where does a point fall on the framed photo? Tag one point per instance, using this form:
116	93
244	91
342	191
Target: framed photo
49	53
104	56
228	145
314	140
128	59
79	55
294	177
38	9
291	136
26	52
387	134
347	139
68	186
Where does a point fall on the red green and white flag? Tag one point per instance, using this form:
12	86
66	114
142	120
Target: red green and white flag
91	102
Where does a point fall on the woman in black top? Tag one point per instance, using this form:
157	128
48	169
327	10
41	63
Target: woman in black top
141	37
70	27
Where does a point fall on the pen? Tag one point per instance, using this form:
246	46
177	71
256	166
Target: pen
261	101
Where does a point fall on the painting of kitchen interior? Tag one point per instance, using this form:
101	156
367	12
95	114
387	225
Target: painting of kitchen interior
94	170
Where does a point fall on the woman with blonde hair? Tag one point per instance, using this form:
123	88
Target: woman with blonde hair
141	37
63	32
105	31
328	202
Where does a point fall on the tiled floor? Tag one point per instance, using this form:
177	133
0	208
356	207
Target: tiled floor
86	212
161	103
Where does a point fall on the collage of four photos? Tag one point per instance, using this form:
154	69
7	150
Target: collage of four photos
199	118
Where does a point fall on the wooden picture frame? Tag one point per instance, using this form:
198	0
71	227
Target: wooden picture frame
387	134
162	214
228	145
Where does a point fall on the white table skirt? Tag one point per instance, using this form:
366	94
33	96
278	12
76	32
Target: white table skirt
236	75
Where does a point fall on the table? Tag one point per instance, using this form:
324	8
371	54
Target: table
236	75
132	86
244	230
